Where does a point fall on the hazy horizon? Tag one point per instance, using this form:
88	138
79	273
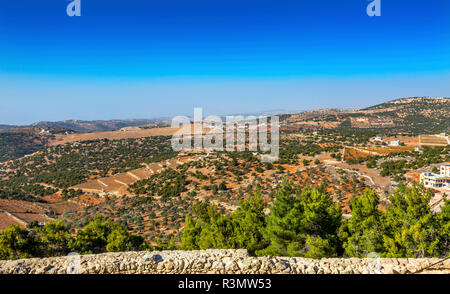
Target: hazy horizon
162	118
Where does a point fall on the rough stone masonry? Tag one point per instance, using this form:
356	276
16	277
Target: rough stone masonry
216	262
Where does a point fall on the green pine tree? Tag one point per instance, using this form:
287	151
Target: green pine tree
283	229
362	233
302	224
249	221
410	225
56	238
191	232
217	232
443	218
16	242
119	240
321	221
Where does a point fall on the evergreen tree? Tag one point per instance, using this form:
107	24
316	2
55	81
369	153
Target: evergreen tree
217	231
410	225
317	247
249	221
93	238
101	235
444	228
191	232
208	229
56	238
16	242
320	222
119	240
302	225
362	233
283	229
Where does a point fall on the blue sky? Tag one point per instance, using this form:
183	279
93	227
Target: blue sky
145	58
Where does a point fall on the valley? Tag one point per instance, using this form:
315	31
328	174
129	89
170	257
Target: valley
133	177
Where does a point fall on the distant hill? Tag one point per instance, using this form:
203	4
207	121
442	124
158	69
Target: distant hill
411	102
16	143
94	125
416	114
7	127
86	126
420	115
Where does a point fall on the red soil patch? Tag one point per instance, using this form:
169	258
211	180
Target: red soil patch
6	221
351	153
413	176
18	206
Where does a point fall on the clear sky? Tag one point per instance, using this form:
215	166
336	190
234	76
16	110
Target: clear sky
145	58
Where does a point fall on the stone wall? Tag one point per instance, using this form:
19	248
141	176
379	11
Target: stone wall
214	262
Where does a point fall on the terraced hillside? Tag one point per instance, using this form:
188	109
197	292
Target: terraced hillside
63	166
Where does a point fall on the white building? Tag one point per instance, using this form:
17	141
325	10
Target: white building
445	170
395	143
441	180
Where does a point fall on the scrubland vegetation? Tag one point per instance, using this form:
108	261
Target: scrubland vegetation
300	223
67	165
317	200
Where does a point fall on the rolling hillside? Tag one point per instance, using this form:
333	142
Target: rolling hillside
418	114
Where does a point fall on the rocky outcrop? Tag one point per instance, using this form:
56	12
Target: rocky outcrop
215	262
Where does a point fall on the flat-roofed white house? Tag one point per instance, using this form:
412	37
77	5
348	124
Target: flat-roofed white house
395	143
441	180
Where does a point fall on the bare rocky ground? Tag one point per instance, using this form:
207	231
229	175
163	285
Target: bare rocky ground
216	262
